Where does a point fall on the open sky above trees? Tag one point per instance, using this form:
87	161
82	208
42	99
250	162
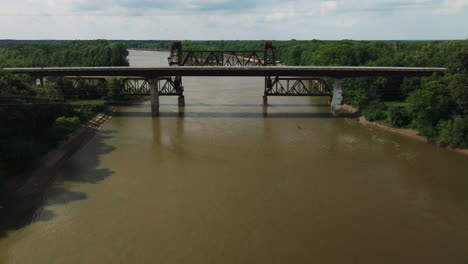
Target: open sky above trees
234	19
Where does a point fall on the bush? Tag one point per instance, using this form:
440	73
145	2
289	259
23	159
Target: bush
115	88
64	126
399	116
375	111
453	131
86	111
424	124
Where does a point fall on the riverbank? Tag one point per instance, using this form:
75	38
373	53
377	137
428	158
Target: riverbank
37	178
411	133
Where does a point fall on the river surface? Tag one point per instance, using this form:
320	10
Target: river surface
227	181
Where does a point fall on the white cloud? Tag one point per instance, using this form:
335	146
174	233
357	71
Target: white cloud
328	5
233	19
453	6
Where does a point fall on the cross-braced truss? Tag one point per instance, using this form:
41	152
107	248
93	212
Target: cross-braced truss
276	86
90	81
222	58
170	86
180	57
136	86
167	86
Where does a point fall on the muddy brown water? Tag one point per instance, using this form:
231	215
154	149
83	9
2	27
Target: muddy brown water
227	181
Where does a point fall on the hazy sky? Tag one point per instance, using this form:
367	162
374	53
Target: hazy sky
234	19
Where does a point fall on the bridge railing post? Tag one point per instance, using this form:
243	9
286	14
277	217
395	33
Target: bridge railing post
41	82
154	89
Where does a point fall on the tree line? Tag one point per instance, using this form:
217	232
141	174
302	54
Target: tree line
67	53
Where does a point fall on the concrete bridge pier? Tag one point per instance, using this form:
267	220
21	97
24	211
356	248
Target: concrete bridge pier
39	82
154	90
337	95
181	100
265	101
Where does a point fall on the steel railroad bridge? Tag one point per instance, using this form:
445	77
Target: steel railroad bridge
167	80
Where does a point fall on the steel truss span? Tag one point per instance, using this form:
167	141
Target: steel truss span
167	86
276	86
181	57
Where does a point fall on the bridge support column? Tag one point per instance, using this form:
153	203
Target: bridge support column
337	96
40	82
265	101
154	89
181	100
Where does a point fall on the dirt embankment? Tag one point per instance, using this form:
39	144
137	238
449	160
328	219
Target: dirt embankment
414	134
37	178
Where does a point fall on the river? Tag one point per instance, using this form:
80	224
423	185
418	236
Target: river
227	181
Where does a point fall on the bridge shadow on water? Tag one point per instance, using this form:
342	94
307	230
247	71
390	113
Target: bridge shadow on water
147	105
48	186
235	115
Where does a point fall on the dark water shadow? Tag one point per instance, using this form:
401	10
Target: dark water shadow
147	105
45	187
235	115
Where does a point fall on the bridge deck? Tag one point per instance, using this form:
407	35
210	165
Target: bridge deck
151	72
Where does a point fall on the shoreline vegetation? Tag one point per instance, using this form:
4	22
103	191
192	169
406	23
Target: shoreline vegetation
42	172
407	132
35	119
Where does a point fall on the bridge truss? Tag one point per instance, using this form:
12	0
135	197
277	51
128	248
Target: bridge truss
180	57
167	86
277	86
90	81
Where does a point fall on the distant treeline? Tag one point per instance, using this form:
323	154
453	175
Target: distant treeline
34	119
62	53
437	106
147	44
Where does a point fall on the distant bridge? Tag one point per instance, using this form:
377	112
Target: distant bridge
167	80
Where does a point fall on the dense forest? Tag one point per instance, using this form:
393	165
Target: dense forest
437	106
34	119
70	53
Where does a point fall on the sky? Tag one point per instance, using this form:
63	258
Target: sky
234	19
